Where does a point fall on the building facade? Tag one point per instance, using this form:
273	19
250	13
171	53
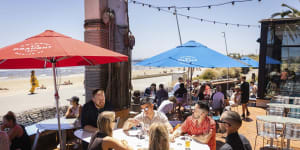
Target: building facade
279	60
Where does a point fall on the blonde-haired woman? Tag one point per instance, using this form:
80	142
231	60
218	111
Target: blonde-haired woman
102	139
158	137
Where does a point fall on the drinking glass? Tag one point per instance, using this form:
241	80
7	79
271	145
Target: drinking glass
187	142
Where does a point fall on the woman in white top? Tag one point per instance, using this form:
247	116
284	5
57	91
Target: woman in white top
236	97
74	111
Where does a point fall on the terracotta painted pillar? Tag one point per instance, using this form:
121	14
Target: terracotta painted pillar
106	25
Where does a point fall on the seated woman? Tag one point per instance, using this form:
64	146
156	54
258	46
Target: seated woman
253	90
102	139
236	97
4	141
16	133
158	137
74	111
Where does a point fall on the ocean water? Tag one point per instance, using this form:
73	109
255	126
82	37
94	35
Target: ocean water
25	73
61	71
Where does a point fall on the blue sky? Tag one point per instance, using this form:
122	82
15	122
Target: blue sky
155	31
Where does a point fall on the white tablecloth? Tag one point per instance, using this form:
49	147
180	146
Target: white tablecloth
51	124
83	135
143	143
136	143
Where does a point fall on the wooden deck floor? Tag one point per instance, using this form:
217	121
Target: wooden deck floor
248	129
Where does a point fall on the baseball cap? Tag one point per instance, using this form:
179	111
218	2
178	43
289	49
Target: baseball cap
146	100
74	98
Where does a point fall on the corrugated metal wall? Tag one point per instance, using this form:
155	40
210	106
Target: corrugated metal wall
95	33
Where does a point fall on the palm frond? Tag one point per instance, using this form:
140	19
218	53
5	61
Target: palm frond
285	13
275	15
295	11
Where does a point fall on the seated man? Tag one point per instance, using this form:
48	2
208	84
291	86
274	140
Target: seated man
201	127
231	122
150	91
90	111
218	102
161	95
147	117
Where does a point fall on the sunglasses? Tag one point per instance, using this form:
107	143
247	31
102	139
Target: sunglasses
221	121
146	108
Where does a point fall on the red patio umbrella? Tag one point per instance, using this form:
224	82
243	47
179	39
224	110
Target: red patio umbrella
52	49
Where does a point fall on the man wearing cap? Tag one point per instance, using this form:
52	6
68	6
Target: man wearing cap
147	117
74	111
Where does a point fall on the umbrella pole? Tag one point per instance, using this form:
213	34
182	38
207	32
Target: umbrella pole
57	107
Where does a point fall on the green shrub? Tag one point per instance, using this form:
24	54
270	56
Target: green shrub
209	74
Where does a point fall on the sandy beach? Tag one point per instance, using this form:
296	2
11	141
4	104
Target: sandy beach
16	98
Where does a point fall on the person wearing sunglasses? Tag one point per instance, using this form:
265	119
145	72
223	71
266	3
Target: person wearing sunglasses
199	126
231	121
147	117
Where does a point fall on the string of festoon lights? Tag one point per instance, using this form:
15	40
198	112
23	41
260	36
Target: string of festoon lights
167	9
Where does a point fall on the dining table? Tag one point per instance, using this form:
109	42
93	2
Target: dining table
139	141
51	124
279	120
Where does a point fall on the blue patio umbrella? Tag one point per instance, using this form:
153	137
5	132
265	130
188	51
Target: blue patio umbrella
249	61
270	60
191	54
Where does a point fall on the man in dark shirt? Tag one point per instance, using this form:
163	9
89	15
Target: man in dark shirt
231	122
150	91
90	111
244	96
161	95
